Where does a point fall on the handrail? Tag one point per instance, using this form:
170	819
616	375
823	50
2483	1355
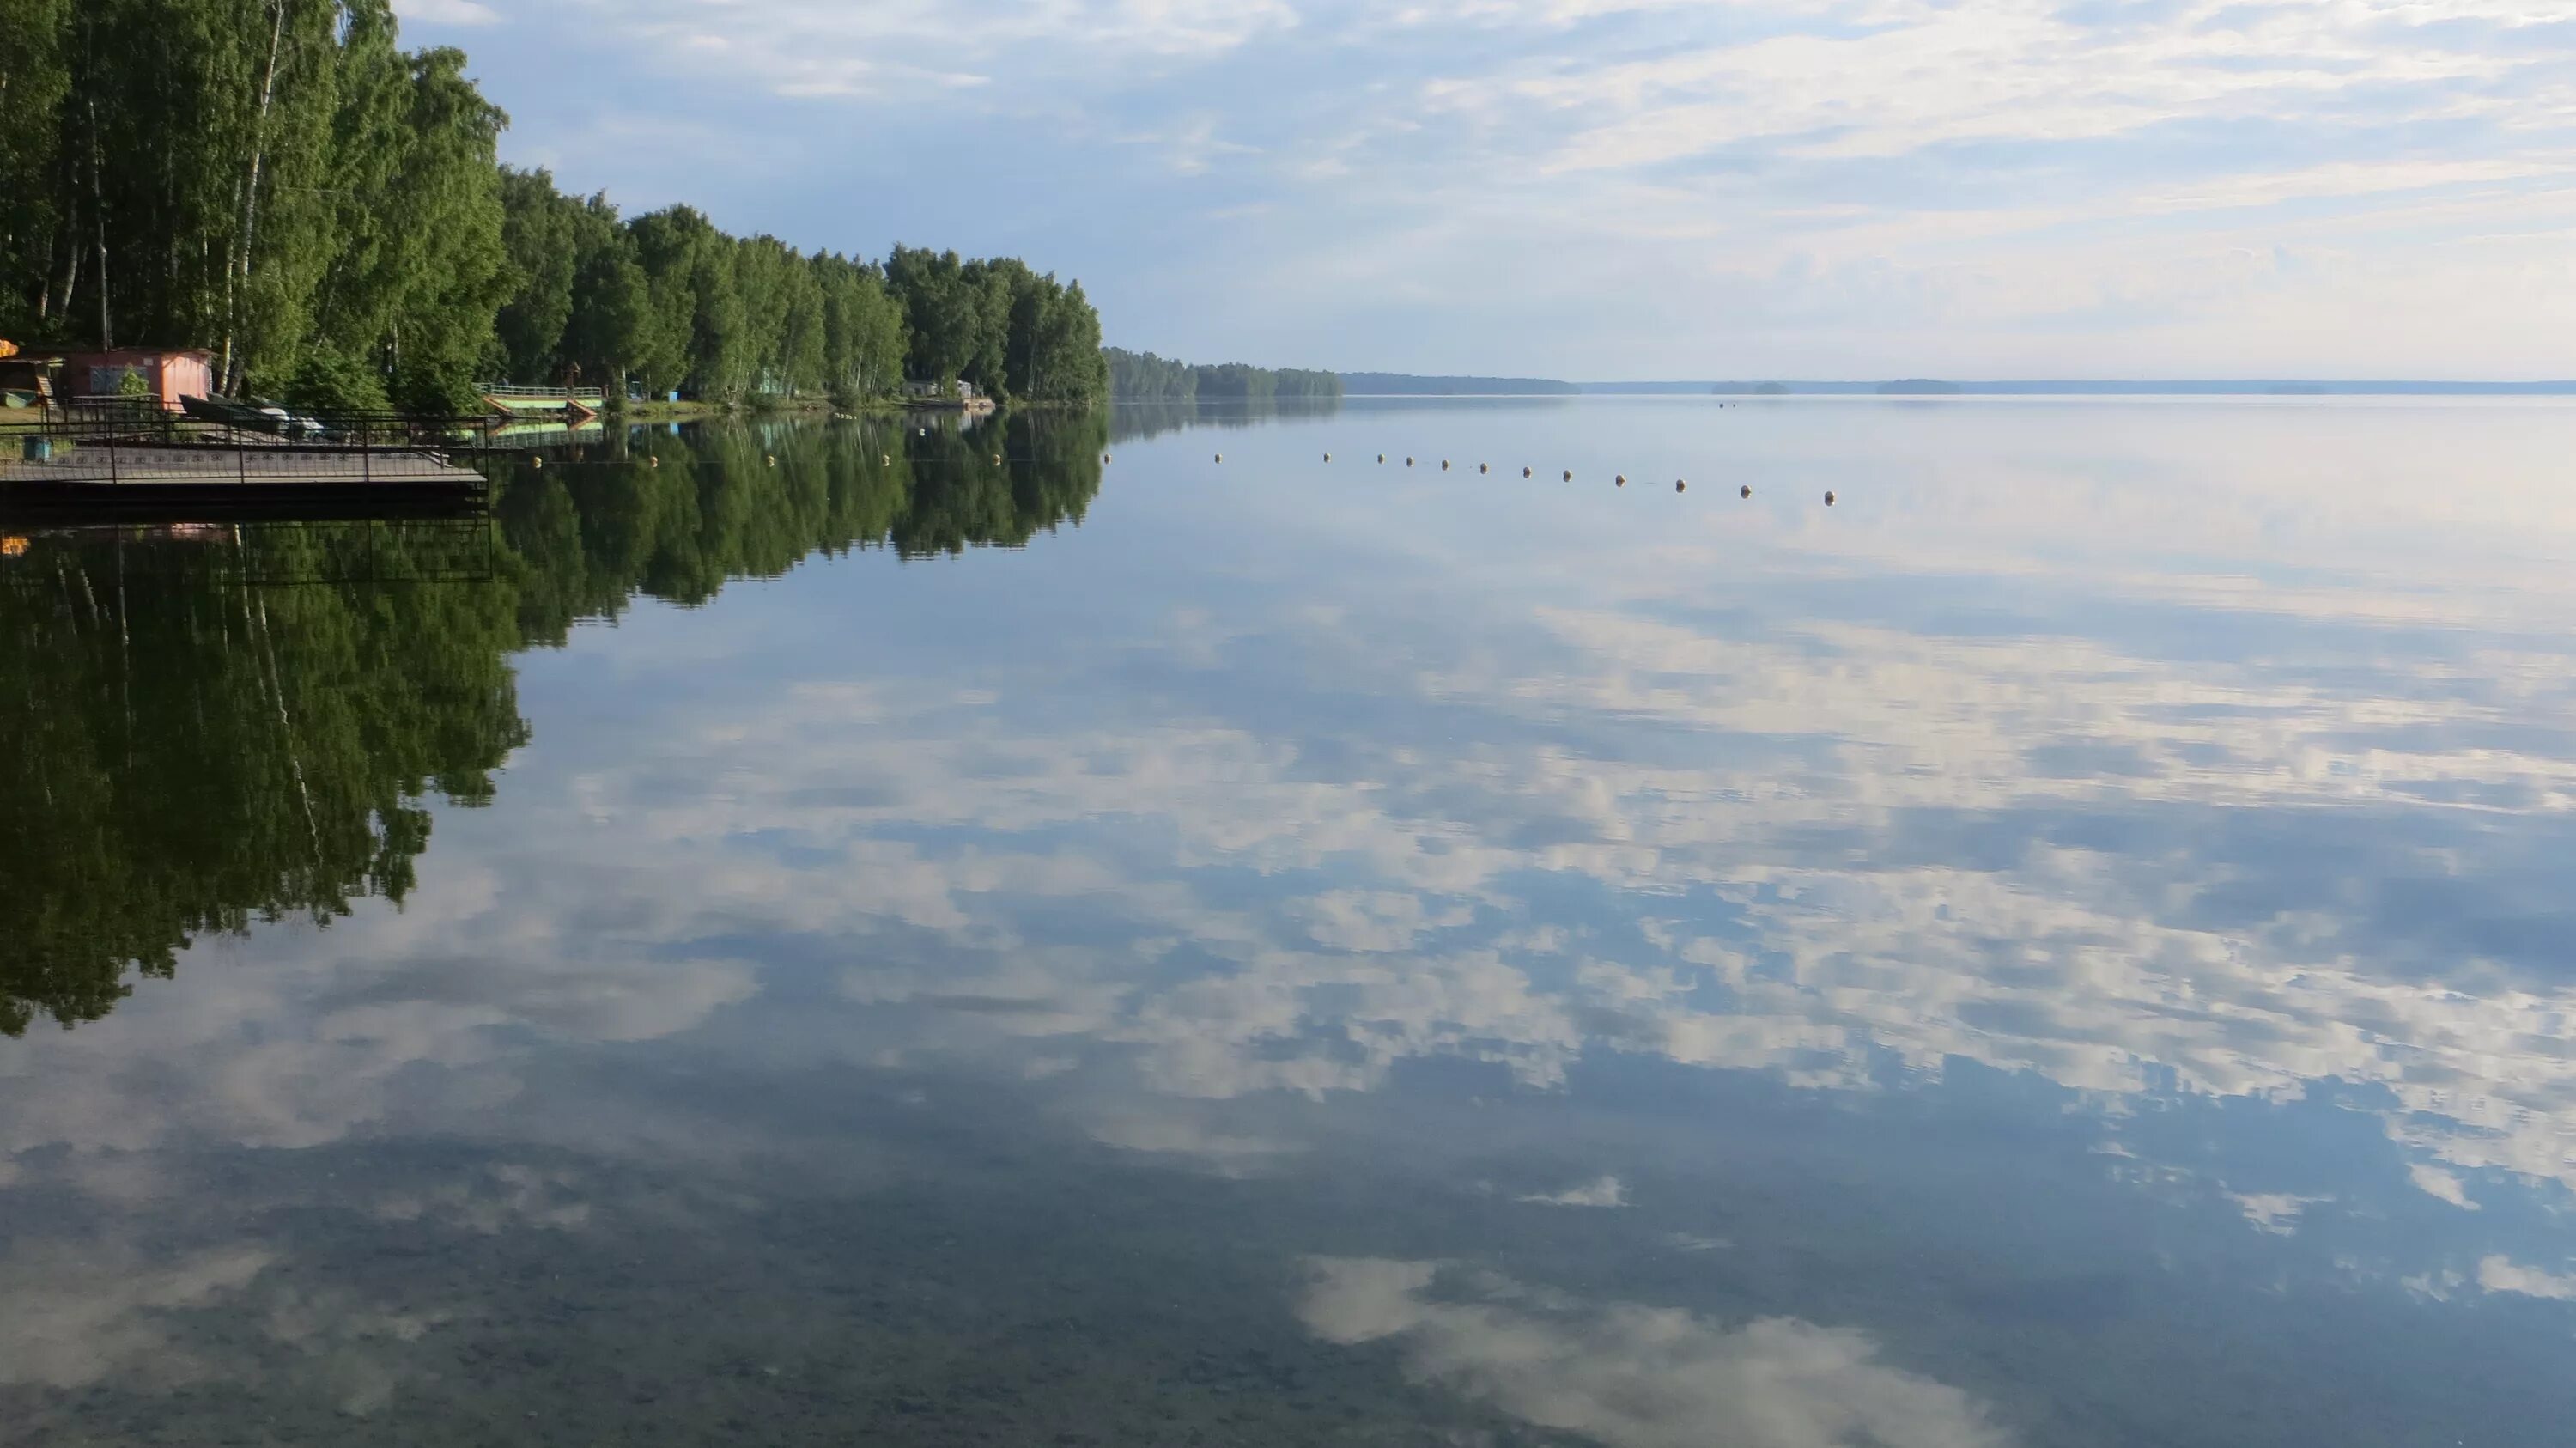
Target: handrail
569	394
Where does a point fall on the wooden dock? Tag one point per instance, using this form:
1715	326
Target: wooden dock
179	473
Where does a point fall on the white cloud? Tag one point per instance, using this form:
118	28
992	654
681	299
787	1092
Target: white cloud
2274	1212
2502	1274
1642	1377
446	12
1772	187
2437	1182
904	49
1607	1192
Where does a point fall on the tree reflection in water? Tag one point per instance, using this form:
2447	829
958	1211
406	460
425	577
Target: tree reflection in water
187	751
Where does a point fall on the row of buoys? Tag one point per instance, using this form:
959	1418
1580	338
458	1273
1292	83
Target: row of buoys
1680	485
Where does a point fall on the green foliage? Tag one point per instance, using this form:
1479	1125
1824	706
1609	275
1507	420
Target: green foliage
864	338
183	756
541	232
332	383
269	177
609	330
1144	377
436	384
280	179
35	77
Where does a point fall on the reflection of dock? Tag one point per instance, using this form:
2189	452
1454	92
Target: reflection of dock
258	553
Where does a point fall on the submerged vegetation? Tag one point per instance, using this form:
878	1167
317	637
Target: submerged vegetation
280	182
184	752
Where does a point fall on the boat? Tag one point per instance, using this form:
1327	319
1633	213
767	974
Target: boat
251	416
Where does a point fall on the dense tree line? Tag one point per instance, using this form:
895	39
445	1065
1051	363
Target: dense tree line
672	302
183	754
1144	377
275	179
281	182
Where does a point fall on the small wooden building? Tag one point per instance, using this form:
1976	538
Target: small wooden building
167	373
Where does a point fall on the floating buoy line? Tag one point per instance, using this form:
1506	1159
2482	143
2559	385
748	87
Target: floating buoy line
1617	480
1743	491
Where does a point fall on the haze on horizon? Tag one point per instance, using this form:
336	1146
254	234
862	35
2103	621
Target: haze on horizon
1631	188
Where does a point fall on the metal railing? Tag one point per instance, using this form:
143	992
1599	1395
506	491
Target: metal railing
170	448
508	391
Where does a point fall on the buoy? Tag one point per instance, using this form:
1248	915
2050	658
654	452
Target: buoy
1744	492
1680	487
1620	481
1829	497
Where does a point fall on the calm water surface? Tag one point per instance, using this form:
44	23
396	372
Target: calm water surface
814	936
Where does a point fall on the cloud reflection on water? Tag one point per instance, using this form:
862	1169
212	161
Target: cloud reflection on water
1641	1377
1535	793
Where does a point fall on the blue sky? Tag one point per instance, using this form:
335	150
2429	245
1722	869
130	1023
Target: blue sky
1606	189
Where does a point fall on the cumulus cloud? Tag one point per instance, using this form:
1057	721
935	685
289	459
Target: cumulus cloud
2503	1274
1782	187
1609	1191
2275	1212
2434	1181
819	49
446	12
1640	1377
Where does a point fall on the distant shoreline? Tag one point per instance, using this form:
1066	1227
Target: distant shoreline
1382	384
2248	387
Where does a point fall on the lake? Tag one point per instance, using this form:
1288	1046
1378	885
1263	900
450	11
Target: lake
825	934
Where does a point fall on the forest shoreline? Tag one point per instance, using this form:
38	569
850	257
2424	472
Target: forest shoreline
325	214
